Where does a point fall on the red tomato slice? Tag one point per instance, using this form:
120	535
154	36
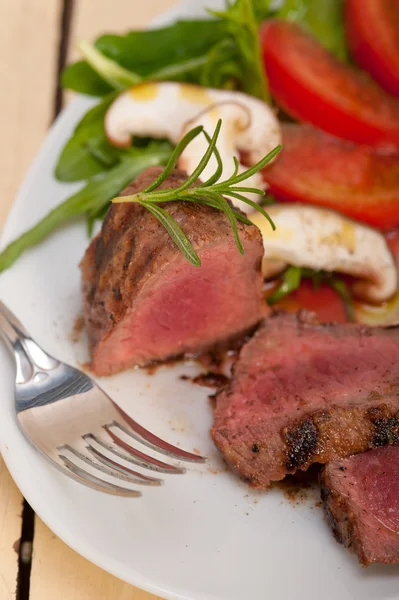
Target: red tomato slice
311	85
372	32
325	302
316	168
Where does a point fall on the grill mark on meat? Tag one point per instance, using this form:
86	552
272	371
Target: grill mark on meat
117	294
386	427
301	444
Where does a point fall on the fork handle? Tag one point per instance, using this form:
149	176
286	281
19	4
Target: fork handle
28	355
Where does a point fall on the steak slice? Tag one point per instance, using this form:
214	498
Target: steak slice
304	393
361	497
144	302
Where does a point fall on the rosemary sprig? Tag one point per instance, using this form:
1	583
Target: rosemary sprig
212	192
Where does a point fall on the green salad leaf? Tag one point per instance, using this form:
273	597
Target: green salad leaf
88	152
222	52
290	281
91	199
116	76
323	18
243	26
222	69
81	78
177	52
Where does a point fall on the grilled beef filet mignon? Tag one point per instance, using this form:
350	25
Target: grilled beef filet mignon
304	393
361	497
144	302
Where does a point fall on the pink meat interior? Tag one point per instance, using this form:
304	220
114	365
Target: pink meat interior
185	309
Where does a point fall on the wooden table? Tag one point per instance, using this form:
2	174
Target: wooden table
37	38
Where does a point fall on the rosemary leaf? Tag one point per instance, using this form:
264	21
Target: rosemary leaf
219	170
210	193
255	169
178	151
236	166
204	160
254	206
175	232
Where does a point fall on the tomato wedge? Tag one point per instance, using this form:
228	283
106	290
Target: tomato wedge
316	168
325	302
372	32
311	85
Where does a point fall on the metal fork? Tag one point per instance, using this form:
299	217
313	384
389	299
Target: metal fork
73	422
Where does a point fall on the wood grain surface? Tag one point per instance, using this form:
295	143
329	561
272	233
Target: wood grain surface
36	38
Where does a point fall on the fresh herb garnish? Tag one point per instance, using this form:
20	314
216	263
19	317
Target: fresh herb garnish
210	193
291	280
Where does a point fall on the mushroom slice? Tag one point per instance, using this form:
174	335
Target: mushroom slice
236	121
321	239
167	109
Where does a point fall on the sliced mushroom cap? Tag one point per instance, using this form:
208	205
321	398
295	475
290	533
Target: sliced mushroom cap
236	121
168	110
322	239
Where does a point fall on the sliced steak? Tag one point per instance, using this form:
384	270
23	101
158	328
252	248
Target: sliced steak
361	497
304	393
144	302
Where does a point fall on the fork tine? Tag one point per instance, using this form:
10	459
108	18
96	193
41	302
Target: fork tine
110	472
144	460
144	436
139	479
94	482
100	449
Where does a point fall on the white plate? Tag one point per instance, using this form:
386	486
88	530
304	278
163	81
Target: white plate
202	536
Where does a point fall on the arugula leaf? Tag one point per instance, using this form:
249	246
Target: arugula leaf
243	27
264	9
116	76
88	152
323	18
81	78
177	52
91	199
342	290
291	280
151	50
222	68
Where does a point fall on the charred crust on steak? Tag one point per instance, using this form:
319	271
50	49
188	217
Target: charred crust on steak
117	294
325	494
256	448
337	514
386	426
302	442
128	256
